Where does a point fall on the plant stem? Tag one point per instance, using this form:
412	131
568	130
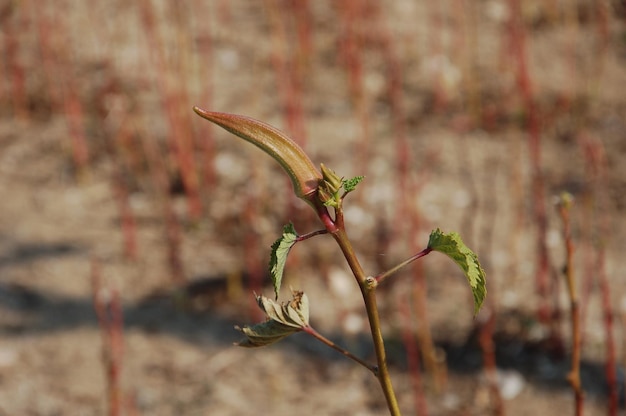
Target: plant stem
574	375
368	291
311	331
311	234
385	275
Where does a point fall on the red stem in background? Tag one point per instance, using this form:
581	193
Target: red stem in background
73	110
302	12
252	258
413	355
180	133
353	15
13	26
61	82
174	239
172	231
611	362
602	11
487	326
288	76
204	46
524	85
488	347
432	362
47	50
127	219
596	166
437	31
289	70
120	182
466	44
108	308
395	93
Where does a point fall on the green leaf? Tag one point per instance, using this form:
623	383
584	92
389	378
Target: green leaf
284	319
452	246
350	184
278	257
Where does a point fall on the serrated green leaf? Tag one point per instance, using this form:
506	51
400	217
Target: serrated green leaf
350	184
278	257
452	246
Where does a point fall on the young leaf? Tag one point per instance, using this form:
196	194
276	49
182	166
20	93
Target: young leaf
278	257
283	320
350	184
452	246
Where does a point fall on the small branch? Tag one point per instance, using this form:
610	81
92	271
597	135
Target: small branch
383	276
311	331
311	234
108	308
574	375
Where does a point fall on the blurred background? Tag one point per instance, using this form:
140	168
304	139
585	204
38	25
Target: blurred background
133	233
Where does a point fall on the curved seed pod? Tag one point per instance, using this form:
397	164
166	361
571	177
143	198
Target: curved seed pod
301	170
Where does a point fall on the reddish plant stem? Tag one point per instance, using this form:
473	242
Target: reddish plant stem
252	258
74	115
353	15
437	30
311	331
487	326
120	185
524	85
395	93
311	234
413	356
13	26
434	366
173	235
301	10
602	13
289	80
108	308
180	134
367	285
596	164
127	219
384	276
204	45
48	49
485	339
466	43
574	375
611	362
288	77
172	231
62	83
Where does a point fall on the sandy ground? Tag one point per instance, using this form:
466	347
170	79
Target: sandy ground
178	357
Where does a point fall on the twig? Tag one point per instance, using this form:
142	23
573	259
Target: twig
311	331
574	375
110	319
